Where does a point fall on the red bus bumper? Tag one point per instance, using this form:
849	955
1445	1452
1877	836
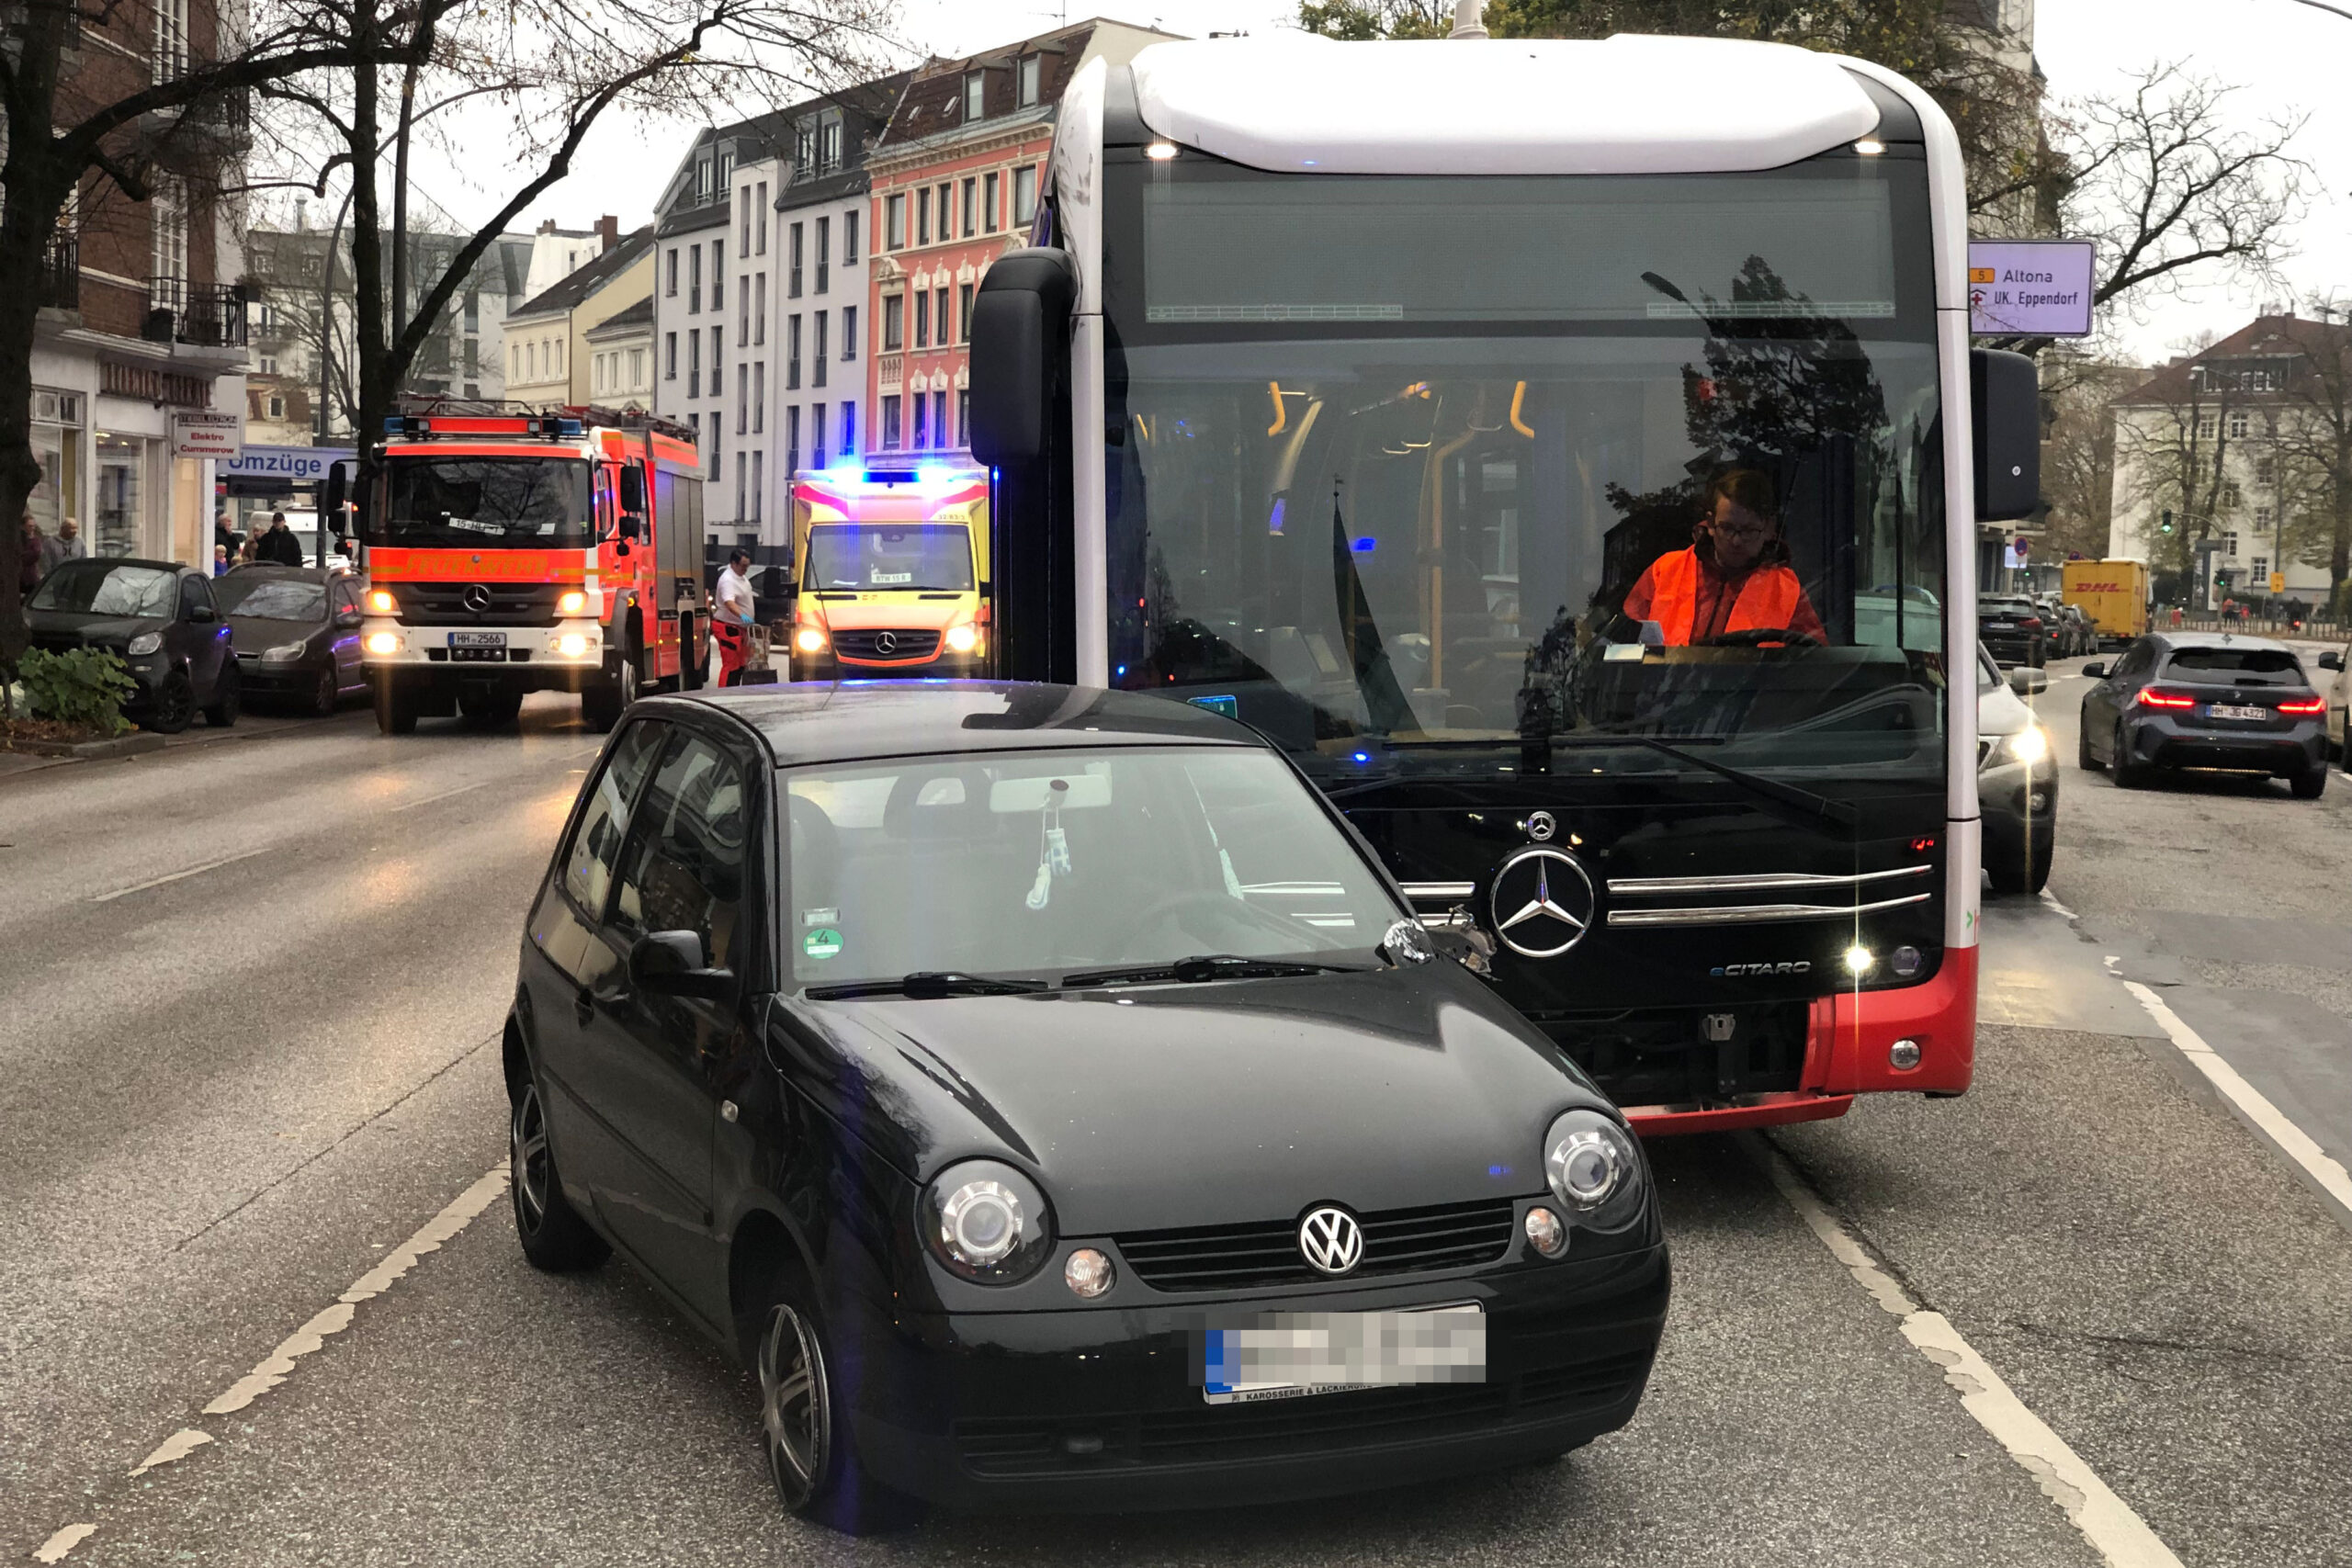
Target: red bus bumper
1846	1054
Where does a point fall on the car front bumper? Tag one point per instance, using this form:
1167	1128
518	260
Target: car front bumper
2284	751
1099	1409
943	666
2018	803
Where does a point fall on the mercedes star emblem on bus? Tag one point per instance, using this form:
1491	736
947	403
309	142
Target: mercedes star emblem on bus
1541	902
1541	827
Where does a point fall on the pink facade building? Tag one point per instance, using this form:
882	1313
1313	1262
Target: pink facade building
957	180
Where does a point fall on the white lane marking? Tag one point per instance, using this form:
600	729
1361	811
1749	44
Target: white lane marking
2120	1536
2051	899
412	805
54	1549
2251	1102
177	875
174	1449
276	1367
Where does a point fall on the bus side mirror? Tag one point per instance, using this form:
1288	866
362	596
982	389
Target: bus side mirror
2006	418
1020	350
632	490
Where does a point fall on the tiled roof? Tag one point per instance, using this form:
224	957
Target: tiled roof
566	294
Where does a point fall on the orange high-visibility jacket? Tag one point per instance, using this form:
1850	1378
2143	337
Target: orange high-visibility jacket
1770	597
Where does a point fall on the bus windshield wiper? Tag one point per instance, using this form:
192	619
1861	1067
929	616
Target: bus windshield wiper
926	984
1810	802
1206	966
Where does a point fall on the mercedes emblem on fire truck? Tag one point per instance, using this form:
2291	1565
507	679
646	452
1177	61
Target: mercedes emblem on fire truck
1541	827
1541	902
475	598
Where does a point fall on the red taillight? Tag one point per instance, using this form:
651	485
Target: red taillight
2031	623
2304	705
2150	697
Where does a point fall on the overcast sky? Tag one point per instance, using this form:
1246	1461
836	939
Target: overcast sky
2284	56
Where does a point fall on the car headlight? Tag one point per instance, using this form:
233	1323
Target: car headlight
985	1221
284	653
1594	1169
145	642
963	638
809	640
381	602
571	601
2029	746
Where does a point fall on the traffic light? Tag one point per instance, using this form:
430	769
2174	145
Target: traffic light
2165	527
2220	580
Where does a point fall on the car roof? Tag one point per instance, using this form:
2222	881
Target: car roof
2217	639
851	720
276	568
126	560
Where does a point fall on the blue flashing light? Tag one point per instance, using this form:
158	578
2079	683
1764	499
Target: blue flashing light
1364	756
1499	1170
395	425
1274	523
936	476
571	427
1365	546
1123	670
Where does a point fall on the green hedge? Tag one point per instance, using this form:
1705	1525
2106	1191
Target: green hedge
87	686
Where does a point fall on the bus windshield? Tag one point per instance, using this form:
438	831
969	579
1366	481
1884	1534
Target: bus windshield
906	556
473	503
1434	471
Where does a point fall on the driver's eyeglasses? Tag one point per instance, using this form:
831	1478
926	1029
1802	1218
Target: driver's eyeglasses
1739	530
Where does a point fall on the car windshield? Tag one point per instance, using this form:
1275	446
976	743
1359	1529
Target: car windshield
270	598
108	588
904	556
2251	666
1037	864
1542	458
470	503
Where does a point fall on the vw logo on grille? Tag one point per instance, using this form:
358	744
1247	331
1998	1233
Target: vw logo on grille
475	598
1541	902
886	642
1330	1240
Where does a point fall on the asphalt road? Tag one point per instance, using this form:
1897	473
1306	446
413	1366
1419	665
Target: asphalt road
248	1054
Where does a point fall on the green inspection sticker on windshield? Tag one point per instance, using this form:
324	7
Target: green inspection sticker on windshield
823	942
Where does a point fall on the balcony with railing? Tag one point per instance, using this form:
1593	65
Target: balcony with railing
200	315
60	281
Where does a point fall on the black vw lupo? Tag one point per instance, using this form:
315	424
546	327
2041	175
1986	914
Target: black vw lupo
1053	1100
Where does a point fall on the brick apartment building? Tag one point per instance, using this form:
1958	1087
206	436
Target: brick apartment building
956	178
142	312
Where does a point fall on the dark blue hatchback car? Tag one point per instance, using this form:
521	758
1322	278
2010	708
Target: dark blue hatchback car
2206	700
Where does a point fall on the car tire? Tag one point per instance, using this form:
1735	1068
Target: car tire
326	694
2311	783
805	1427
174	707
2027	876
2085	758
555	1238
395	709
2127	774
228	697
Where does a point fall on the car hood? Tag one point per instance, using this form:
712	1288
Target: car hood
1203	1104
1999	711
98	631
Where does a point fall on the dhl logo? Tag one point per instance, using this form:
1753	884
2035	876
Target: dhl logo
2097	588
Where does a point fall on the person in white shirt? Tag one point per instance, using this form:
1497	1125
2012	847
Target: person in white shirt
732	611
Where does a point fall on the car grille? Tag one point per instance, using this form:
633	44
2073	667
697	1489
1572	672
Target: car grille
865	645
55	642
511	603
1400	1241
1325	1424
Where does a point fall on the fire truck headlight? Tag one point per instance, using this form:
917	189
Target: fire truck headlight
381	602
571	601
963	638
809	640
572	645
383	642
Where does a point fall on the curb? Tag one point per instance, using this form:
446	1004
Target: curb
128	745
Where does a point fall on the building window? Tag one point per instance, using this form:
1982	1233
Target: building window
702	180
849	237
971	206
761	210
669	357
923	319
792	353
2265	470
269	364
718	266
849	429
717	462
2262	571
824	256
2231	497
635	370
758	397
894	221
828	146
818	379
894	323
889	421
946	192
963	316
171	40
991	216
976	95
759	481
2238	424
760	310
1029	75
939	417
743	222
804	149
739	493
694	365
849	333
2205	427
2231	542
791	439
964	412
694	281
1024	195
922	216
939	314
816	431
718	342
2262	515
276	407
921	406
793	280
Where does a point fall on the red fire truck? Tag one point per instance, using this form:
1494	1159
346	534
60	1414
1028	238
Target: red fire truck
517	553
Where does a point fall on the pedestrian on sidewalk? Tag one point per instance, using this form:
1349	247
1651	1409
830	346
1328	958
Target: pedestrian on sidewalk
219	560
279	545
224	537
730	616
70	544
29	565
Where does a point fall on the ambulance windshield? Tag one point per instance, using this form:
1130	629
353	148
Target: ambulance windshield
879	556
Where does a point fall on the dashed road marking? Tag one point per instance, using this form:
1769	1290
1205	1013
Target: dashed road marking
2120	1536
2250	1102
179	876
2050	899
54	1549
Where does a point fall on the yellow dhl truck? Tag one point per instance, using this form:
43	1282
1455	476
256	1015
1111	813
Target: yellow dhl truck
2113	594
890	573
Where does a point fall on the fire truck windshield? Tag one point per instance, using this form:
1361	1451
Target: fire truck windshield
469	503
902	557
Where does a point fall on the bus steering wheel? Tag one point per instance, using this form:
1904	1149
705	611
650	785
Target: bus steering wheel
1765	637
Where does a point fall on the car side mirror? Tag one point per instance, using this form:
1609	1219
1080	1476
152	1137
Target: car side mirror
203	613
2331	662
2026	683
2005	395
1466	945
347	618
2095	670
1020	342
672	964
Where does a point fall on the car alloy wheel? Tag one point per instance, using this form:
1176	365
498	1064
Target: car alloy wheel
527	1154
324	696
174	704
795	1413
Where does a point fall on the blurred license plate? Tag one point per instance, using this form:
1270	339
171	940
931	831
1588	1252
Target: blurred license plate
1291	1355
2223	710
2000	627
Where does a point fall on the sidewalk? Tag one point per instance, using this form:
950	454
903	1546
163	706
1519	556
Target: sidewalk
250	726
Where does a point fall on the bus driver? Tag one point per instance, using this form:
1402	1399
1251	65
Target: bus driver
1733	577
